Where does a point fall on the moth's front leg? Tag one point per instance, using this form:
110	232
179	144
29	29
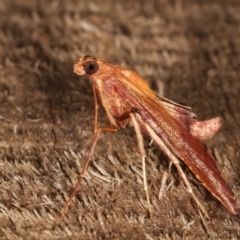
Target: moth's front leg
84	169
95	110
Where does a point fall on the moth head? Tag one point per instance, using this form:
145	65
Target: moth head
86	65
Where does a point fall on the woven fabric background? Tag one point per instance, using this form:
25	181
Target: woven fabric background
189	51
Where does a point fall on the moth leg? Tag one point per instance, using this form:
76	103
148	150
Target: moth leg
187	183
175	161
143	156
84	169
95	110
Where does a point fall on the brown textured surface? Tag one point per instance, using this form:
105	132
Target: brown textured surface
46	116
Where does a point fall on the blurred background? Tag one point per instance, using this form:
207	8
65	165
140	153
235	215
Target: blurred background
188	51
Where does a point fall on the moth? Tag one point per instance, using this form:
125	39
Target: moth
128	100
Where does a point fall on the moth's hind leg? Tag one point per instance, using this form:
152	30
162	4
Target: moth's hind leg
172	158
187	183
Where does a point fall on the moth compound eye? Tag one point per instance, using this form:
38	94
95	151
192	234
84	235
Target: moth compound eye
91	67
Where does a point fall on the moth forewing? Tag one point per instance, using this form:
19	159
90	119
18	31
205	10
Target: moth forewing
188	148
